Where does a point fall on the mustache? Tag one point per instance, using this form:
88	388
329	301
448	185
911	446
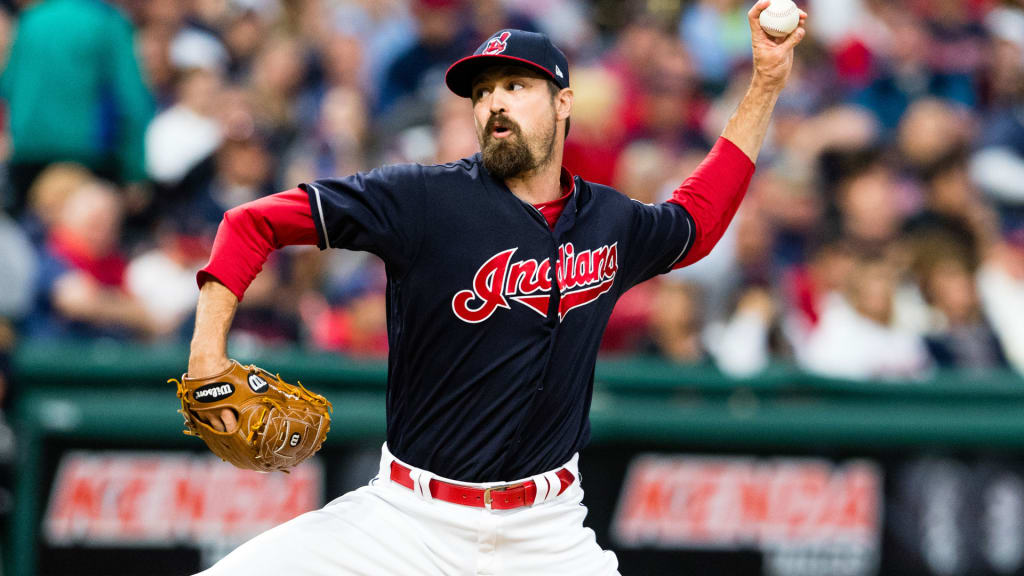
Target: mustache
504	121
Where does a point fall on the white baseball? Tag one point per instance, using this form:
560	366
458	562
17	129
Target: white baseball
780	18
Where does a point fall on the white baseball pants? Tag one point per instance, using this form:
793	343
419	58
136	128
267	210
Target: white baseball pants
386	529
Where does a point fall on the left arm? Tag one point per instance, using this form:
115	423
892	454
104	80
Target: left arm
714	192
773	61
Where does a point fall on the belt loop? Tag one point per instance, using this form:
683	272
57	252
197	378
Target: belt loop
554	484
543	489
421	483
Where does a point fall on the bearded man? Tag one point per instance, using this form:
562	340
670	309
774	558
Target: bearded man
503	269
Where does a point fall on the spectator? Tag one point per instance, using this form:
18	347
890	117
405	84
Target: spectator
905	73
792	210
675	325
154	44
869	212
629	61
440	40
344	63
596	137
383	28
47	196
997	166
351	318
958	38
74	96
275	84
244	31
1001	286
187	133
752	338
855	337
242	171
931	130
671	107
960	337
1005	76
456	131
954	208
81	283
338	144
162	279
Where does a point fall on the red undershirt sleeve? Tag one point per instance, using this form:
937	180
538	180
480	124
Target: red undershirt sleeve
712	194
250	232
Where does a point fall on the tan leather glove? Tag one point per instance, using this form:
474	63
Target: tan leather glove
279	424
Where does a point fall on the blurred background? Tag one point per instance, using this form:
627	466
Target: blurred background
835	390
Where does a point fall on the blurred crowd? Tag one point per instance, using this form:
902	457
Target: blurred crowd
882	235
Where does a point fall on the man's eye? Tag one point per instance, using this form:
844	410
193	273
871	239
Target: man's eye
516	86
481	92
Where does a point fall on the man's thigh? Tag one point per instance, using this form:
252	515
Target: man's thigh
370	531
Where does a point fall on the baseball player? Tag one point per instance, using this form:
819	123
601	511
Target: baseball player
503	269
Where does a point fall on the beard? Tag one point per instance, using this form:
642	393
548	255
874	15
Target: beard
511	156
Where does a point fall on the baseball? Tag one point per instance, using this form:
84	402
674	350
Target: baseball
780	18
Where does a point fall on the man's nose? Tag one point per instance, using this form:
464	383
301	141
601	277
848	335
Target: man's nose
498	102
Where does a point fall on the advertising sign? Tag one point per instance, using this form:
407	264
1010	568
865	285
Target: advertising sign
164	499
806	516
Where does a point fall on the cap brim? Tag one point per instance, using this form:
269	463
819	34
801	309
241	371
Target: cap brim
461	74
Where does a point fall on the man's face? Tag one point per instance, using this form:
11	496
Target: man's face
516	120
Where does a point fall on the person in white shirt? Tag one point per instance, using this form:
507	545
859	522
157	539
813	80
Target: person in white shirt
855	337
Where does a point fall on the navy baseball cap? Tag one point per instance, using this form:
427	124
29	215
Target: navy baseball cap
508	47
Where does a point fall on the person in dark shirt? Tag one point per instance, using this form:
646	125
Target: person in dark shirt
503	270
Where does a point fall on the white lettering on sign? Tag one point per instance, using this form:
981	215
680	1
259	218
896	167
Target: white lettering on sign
166	499
807	515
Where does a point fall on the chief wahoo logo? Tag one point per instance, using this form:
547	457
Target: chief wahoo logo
498	44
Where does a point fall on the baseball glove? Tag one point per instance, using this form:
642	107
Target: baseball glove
279	424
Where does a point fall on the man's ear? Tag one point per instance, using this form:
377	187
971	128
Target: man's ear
563	103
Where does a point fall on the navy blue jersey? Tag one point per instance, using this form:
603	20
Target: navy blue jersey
491	365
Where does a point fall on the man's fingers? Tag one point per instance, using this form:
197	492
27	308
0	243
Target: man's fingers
229	421
223	422
213	420
755	12
795	37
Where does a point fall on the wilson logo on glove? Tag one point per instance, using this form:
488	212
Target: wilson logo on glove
213	392
257	384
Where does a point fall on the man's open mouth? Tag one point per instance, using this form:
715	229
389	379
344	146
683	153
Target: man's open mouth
500	129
